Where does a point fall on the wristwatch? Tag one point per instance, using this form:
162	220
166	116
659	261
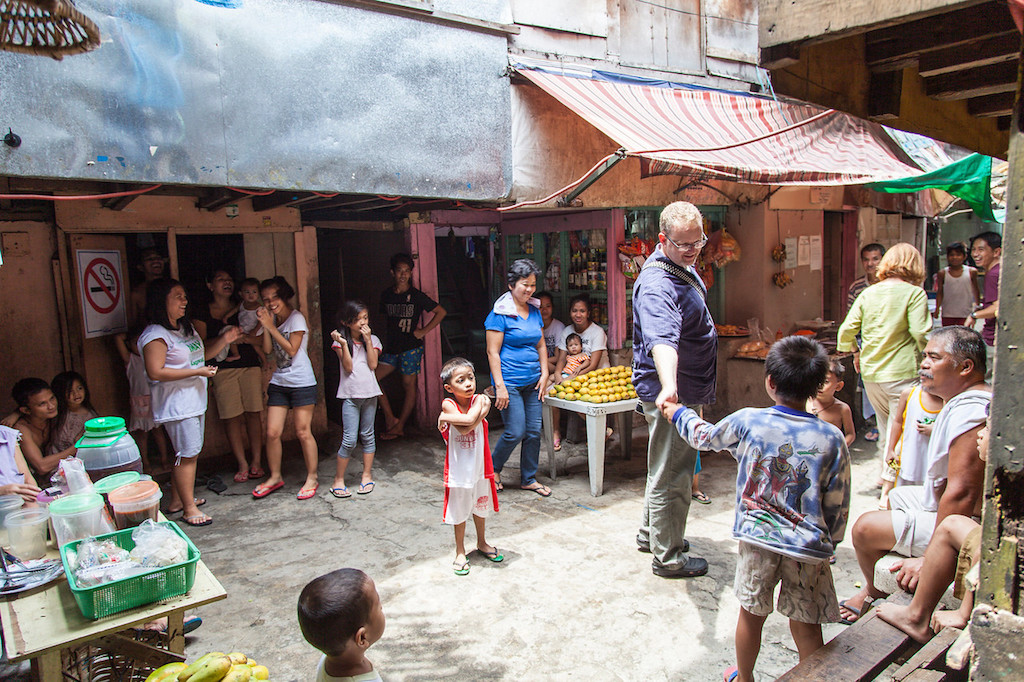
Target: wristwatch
973	316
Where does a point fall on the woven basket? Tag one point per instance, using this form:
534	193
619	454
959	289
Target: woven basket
52	28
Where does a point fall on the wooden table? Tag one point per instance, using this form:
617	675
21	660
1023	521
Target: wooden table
596	417
40	624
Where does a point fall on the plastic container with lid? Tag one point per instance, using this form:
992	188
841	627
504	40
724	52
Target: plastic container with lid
26	530
108	484
75	517
107	445
8	504
134	503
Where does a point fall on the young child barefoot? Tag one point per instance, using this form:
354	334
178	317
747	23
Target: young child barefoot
469	487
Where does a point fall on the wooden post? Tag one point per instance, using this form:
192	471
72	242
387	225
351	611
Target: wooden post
616	281
307	285
424	277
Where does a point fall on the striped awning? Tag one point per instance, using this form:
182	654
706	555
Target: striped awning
719	135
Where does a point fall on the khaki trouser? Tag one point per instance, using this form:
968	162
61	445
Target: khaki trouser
885	398
670	464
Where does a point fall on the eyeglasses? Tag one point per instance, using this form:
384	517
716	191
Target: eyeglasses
689	246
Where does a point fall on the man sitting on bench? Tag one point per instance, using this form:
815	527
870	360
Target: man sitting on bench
953	368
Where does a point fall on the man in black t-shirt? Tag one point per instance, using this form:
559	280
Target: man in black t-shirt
402	305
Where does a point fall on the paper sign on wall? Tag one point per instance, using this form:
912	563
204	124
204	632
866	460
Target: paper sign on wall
101	288
816	252
803	251
790	253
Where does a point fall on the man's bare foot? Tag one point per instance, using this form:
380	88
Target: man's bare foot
900	617
948	619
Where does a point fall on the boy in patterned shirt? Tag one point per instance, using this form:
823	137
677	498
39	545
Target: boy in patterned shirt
792	500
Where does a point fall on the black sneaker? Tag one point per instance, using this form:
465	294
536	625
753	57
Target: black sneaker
693	567
645	546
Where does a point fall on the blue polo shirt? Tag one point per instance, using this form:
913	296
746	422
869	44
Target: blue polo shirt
670	312
520	362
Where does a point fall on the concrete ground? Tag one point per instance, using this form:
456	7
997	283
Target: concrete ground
573	599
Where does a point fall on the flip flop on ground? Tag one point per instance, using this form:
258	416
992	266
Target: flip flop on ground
257	472
494	555
497	483
341	493
701	497
868	602
461	567
538	488
263	489
730	674
306	493
365	488
241	477
558	444
197	520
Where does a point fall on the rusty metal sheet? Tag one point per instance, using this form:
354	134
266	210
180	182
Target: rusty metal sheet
290	94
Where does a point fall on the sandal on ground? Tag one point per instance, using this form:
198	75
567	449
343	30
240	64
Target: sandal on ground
872	435
730	674
365	488
306	493
262	490
701	497
241	477
538	488
558	444
494	555
461	567
341	493
198	520
868	602
257	472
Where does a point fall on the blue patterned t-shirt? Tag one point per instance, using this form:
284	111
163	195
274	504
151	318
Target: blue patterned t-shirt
793	478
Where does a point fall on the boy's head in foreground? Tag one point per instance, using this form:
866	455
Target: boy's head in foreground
340	613
833	380
459	379
796	367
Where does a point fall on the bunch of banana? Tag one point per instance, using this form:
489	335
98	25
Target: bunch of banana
213	667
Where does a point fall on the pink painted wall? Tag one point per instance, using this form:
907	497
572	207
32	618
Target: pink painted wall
422	248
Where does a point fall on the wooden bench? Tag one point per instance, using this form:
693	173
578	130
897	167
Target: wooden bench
869	646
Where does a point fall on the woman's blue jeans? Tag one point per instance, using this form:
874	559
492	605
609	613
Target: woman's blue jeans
522	423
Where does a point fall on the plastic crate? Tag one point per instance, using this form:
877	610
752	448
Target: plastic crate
127	593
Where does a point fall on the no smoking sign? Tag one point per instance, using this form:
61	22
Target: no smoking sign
102	292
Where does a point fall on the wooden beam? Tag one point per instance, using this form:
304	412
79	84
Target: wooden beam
959	27
1000	104
931	653
265	203
217	198
989	50
884	92
983	80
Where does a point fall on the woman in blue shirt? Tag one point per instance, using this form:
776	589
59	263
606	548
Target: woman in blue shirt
516	354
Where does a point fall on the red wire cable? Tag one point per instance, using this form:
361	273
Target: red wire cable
79	197
251	192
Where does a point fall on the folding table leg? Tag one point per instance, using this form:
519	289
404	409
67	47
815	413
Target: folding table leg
549	439
595	452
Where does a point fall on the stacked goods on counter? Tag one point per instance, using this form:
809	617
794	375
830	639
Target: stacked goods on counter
605	385
213	667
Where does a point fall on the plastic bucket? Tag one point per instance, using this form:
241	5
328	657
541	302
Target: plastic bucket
26	531
75	517
134	503
8	504
106	446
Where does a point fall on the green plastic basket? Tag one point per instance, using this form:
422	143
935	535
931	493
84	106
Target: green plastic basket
127	593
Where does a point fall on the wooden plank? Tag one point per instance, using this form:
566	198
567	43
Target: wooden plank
860	652
138	651
788	21
983	80
1000	104
931	653
989	50
959	27
927	676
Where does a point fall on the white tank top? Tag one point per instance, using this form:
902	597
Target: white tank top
913	446
957	297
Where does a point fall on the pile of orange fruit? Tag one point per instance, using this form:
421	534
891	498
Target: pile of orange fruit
606	385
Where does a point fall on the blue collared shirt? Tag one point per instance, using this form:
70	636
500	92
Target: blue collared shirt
670	312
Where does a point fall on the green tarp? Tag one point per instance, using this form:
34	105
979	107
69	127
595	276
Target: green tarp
969	178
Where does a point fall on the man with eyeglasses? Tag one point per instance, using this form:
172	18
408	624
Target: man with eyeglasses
675	350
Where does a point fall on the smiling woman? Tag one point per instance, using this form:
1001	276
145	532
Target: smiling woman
175	359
